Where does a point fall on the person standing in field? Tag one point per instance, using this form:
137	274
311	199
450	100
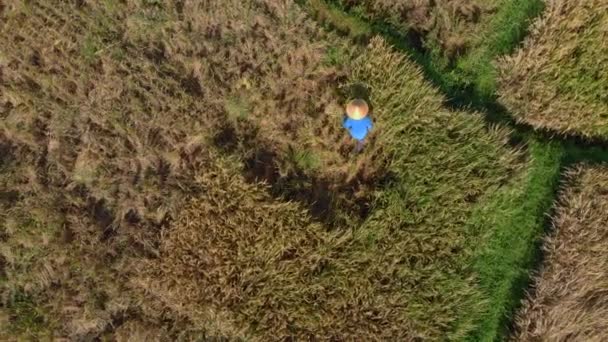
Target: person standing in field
357	121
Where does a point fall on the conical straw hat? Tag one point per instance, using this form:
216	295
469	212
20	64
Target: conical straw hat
357	109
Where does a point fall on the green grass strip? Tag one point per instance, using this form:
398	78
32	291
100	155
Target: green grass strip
473	78
338	20
507	28
511	225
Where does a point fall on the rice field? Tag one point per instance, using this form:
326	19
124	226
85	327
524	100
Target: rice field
456	41
568	300
118	134
177	170
448	28
558	80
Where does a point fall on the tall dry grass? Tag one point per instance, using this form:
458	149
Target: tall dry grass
569	301
239	264
558	80
108	109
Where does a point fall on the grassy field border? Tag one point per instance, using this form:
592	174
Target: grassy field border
473	79
507	29
516	219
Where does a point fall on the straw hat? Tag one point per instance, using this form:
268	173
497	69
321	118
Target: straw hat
357	109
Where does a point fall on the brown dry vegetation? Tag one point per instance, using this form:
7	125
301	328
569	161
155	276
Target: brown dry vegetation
569	301
448	27
559	79
107	109
132	136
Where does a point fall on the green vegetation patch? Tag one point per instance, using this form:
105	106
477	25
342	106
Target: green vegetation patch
559	79
447	28
27	320
455	41
509	225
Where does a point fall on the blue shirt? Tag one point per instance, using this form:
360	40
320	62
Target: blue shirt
358	129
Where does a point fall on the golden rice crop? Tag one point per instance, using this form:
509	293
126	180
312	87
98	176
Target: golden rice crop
238	264
133	133
568	301
558	80
107	109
